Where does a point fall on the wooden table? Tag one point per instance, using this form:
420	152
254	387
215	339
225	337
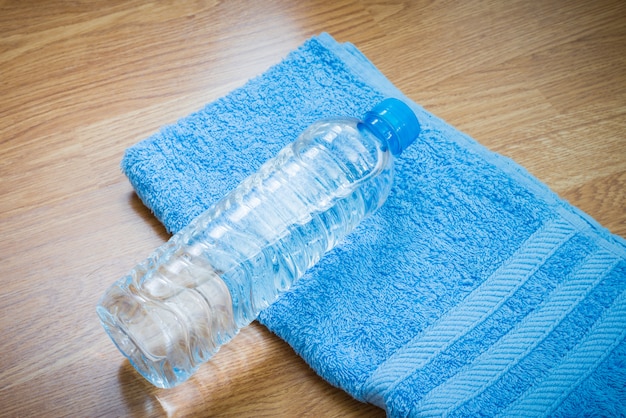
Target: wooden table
543	82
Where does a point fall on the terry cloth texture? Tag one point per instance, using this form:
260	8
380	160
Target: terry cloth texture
475	290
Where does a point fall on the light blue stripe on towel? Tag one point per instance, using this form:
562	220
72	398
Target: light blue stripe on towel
480	304
543	398
515	345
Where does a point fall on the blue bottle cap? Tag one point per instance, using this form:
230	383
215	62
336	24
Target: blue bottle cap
394	122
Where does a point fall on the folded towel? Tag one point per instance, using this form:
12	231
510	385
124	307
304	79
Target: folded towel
475	290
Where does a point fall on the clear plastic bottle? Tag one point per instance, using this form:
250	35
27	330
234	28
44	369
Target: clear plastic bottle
172	312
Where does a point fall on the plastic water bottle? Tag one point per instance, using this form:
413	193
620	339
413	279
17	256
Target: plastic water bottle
172	312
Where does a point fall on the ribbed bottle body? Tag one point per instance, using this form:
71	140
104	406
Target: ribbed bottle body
280	222
172	312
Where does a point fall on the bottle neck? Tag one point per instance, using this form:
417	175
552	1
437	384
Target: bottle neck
383	131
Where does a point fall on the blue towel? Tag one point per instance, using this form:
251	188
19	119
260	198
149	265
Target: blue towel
475	290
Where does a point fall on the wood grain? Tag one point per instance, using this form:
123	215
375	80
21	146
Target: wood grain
541	82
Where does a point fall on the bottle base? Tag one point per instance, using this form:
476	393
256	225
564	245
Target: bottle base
154	370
